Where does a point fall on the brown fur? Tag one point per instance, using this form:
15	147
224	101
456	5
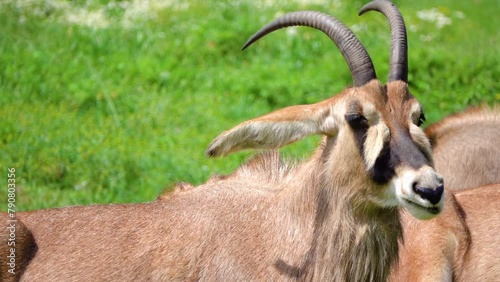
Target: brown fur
466	147
321	220
462	243
212	249
482	262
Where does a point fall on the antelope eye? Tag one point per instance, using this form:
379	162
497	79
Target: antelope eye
356	120
421	119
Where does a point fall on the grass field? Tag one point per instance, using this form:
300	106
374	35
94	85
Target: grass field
111	102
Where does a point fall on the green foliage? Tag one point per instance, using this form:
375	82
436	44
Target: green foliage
102	105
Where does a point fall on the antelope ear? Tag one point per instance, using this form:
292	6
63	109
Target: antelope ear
276	129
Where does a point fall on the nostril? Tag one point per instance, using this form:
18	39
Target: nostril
432	195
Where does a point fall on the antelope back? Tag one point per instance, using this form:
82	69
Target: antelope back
466	147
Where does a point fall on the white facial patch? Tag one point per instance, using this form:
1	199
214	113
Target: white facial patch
389	198
421	140
376	137
415	112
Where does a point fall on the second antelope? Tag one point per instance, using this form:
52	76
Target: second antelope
466	147
333	217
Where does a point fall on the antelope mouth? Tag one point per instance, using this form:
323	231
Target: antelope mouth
433	210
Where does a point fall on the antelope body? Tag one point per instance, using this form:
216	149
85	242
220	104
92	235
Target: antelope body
333	217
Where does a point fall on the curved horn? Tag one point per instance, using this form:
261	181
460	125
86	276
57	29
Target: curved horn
398	65
354	53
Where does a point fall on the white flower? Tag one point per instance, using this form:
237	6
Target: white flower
459	15
84	17
433	15
98	17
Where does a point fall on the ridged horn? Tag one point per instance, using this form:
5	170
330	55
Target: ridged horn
358	60
398	64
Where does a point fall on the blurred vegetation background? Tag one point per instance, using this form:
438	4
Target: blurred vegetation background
113	101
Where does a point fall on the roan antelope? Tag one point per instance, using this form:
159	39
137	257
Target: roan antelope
462	243
333	217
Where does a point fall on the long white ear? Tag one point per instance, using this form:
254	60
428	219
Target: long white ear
276	129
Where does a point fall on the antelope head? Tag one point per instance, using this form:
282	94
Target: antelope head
372	135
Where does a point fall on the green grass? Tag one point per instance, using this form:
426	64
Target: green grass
116	113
